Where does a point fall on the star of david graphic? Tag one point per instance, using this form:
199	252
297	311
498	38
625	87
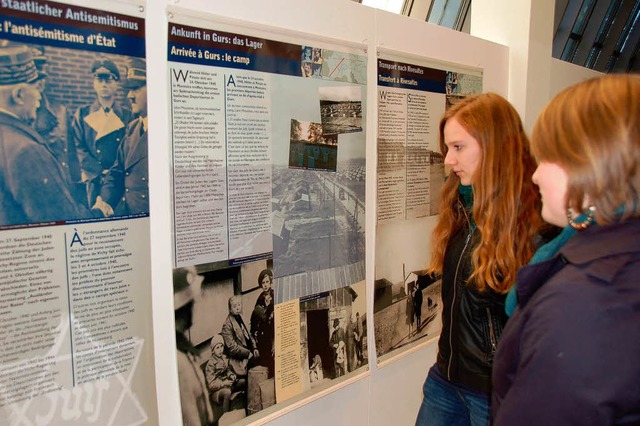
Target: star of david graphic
107	401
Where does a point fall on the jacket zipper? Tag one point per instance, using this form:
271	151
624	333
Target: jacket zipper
455	286
492	334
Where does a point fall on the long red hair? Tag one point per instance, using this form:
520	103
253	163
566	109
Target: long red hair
506	207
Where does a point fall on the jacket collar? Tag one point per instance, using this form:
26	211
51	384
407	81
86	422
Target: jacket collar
613	244
13	121
597	242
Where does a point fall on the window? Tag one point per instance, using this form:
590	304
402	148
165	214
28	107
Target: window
597	34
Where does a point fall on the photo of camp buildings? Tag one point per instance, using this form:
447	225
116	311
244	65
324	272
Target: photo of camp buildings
341	116
317	212
332	334
309	148
397	308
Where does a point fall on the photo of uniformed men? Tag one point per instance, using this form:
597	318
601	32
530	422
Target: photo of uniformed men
73	135
125	185
99	127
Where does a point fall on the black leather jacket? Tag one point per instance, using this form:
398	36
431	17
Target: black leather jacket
472	321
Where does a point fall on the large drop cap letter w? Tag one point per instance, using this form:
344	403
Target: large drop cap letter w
180	75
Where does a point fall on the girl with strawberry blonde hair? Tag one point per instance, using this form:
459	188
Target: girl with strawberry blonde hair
489	226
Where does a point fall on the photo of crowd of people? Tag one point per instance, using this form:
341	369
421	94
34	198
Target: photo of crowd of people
225	351
225	339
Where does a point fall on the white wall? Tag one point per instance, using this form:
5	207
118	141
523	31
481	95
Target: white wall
565	74
526	26
389	395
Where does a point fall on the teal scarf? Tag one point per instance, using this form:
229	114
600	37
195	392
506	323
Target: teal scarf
466	194
546	251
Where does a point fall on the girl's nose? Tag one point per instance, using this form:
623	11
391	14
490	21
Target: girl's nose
449	159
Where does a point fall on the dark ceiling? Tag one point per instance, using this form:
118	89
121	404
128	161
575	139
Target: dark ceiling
603	35
597	34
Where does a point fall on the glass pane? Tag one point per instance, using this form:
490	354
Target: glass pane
394	6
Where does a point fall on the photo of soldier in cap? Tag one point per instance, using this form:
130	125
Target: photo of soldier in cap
53	123
126	185
194	396
98	129
33	186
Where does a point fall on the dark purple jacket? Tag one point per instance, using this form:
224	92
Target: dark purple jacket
570	355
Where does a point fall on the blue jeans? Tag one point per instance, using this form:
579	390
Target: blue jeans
446	404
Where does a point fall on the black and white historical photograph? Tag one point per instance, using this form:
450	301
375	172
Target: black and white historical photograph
406	300
77	126
333	334
318	212
340	109
315	210
224	318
